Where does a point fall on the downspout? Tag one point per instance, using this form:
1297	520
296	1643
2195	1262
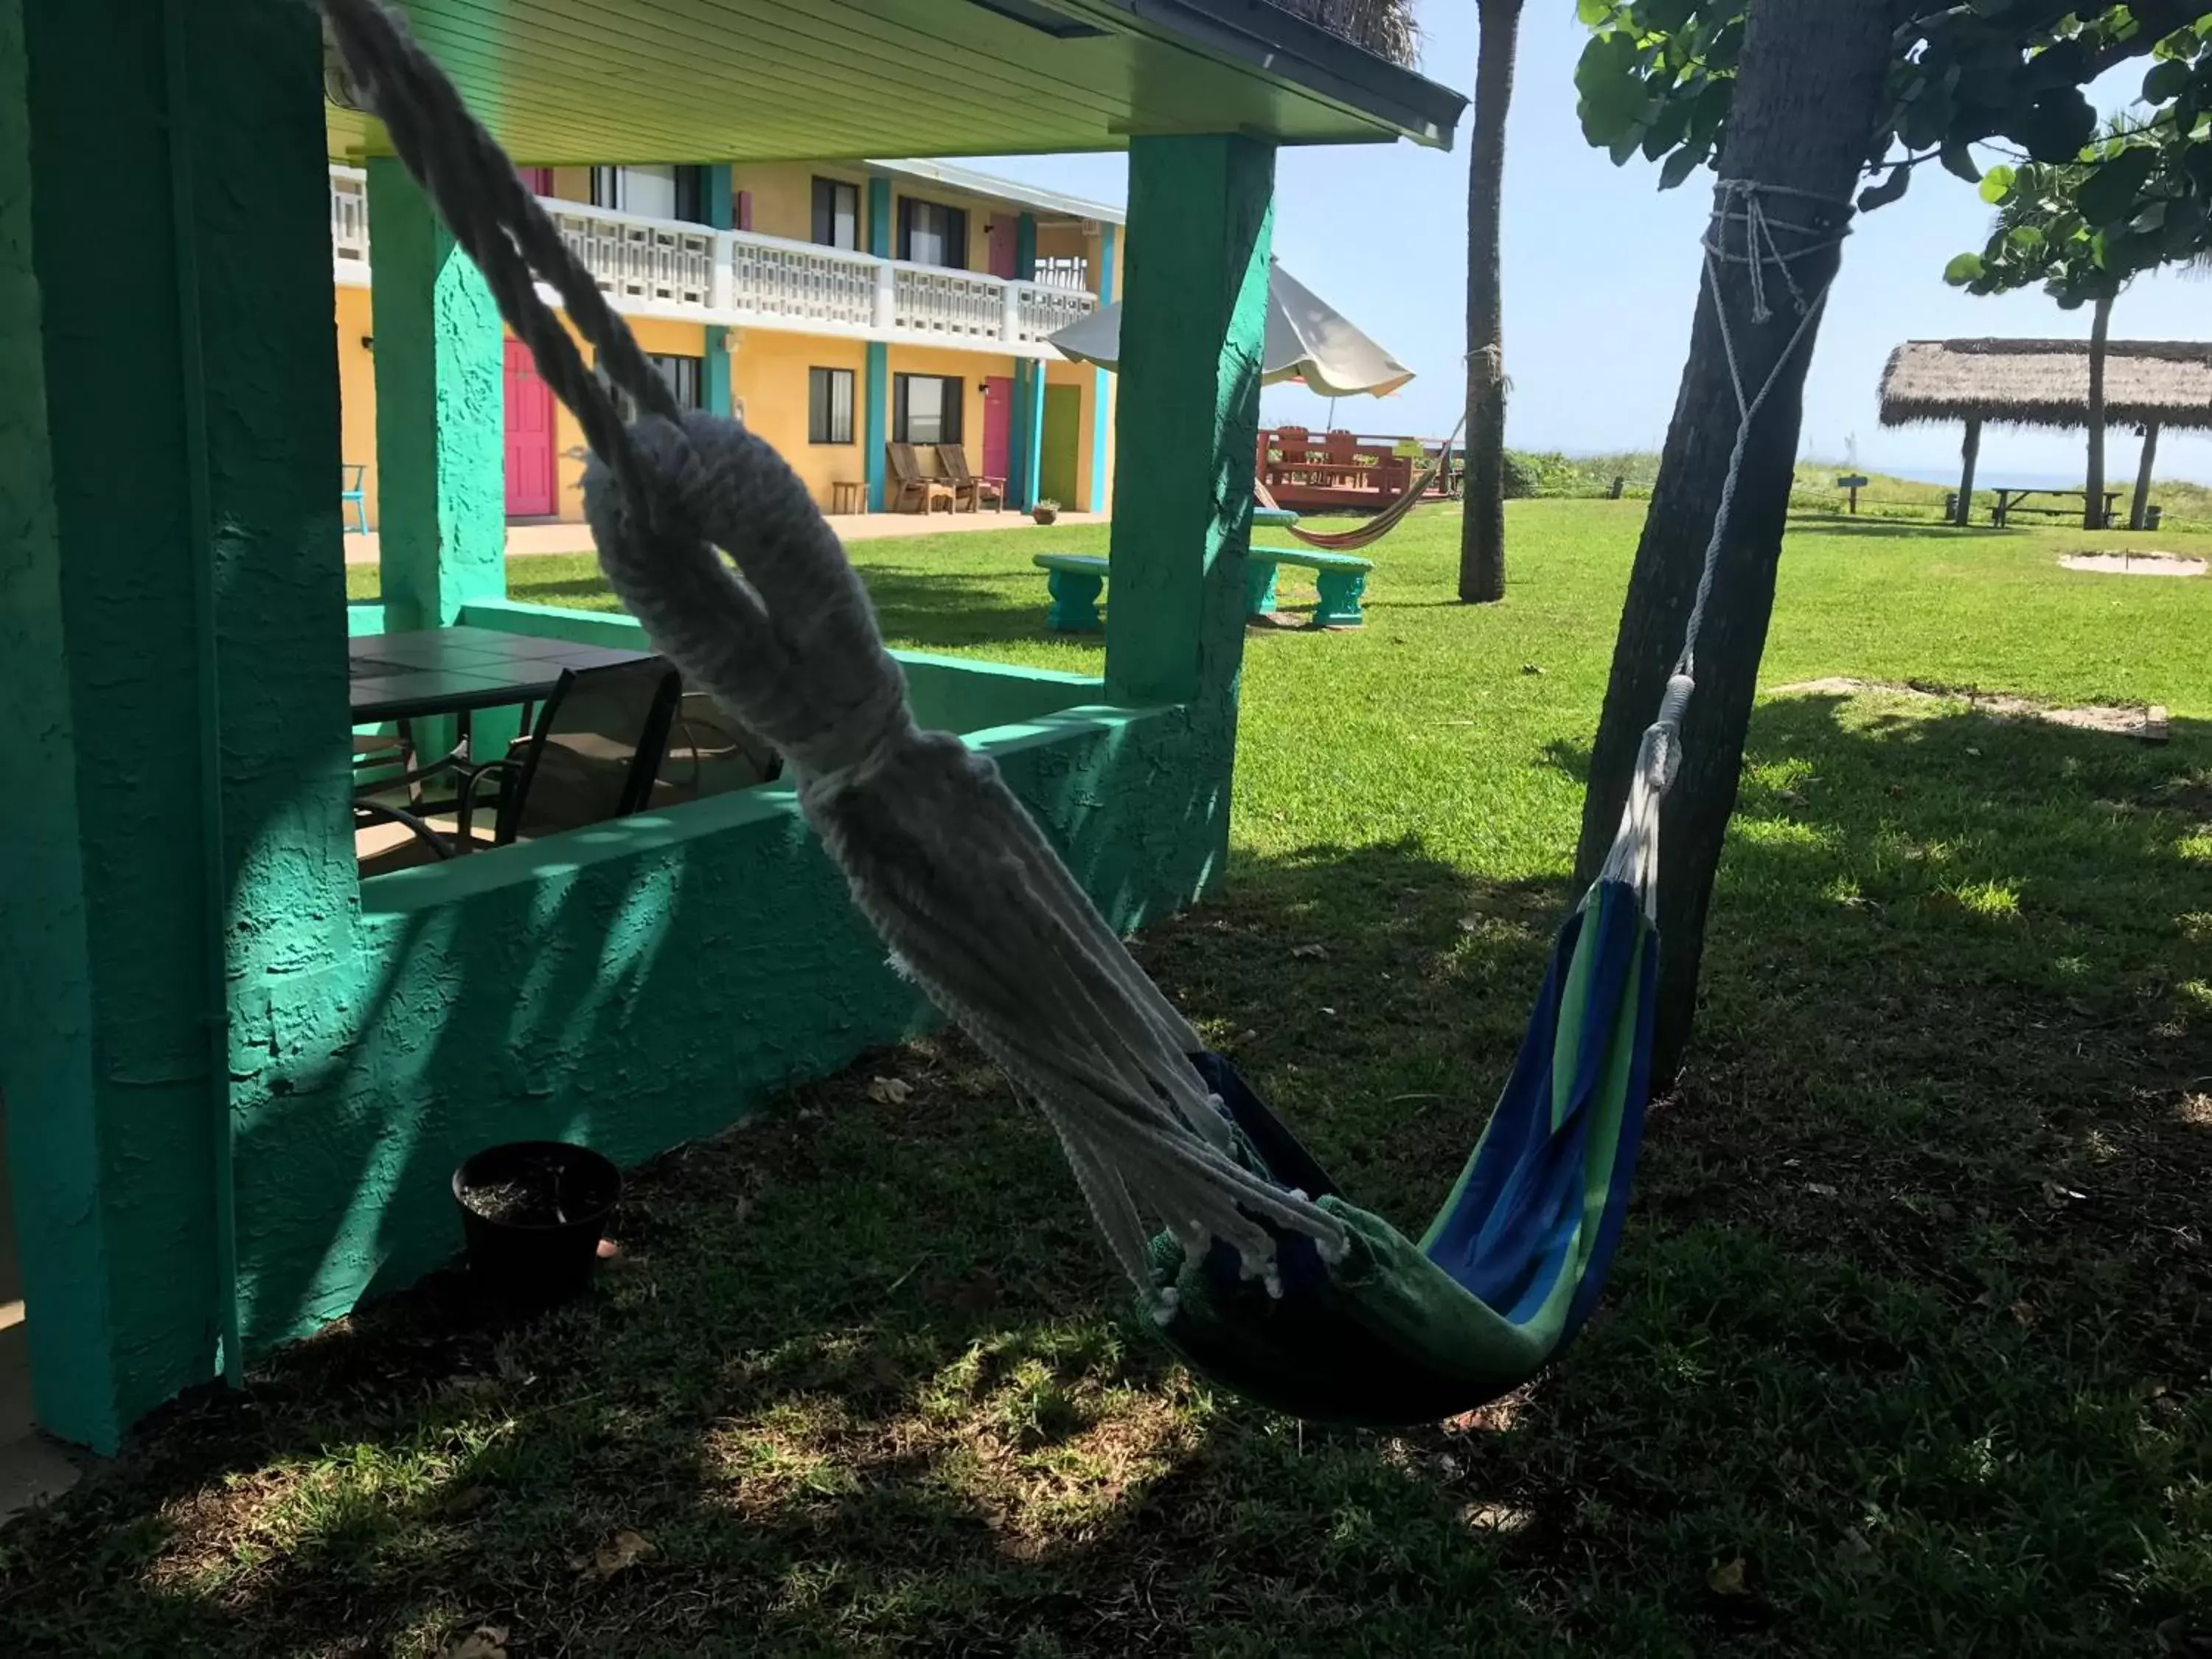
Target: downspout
214	881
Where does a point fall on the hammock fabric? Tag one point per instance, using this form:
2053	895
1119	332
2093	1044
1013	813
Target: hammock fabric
1385	521
1398	1333
1267	1278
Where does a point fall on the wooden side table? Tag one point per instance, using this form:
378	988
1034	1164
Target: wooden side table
847	495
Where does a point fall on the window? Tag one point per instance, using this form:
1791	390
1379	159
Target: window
926	408
837	214
930	233
691	195
686	376
650	192
829	406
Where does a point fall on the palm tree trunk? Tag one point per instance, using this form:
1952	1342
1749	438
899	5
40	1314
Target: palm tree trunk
2100	324
2139	509
1482	531
1806	102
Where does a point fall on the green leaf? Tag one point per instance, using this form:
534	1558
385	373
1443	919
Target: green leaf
1958	160
2166	81
2109	194
2055	127
1967	268
2025	238
1996	184
1888	190
1679	165
1665	16
1593	13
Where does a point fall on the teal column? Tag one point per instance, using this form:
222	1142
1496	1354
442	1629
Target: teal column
876	389
1101	383
717	343
875	423
1021	421
1194	324
1025	441
440	415
171	660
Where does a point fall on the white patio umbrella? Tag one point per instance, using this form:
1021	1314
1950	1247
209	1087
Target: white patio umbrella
1308	340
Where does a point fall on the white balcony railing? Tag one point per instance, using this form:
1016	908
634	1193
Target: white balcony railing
668	267
349	225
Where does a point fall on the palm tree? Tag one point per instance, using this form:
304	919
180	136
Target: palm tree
1482	532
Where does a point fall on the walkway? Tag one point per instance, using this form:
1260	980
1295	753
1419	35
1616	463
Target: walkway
527	539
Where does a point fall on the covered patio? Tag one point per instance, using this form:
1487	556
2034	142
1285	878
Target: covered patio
238	1076
2149	384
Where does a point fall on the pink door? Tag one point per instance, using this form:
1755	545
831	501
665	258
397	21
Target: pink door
998	424
530	490
1002	247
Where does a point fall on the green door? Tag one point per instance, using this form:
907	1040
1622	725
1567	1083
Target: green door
1063	426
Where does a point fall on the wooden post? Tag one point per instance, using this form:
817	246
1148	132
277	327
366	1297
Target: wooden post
2141	506
1969	452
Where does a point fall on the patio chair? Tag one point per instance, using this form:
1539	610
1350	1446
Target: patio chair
709	753
353	494
910	483
969	488
422	843
592	755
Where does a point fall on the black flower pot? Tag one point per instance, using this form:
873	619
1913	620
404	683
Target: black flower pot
532	1213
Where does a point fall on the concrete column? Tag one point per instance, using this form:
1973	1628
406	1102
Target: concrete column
876	382
172	657
1194	324
1101	383
440	413
716	370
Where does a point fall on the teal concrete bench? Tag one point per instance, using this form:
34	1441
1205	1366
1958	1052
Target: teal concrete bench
1076	580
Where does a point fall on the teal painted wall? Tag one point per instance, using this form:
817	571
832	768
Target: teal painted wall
440	414
1101	383
629	986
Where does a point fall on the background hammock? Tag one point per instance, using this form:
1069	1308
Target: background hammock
1392	514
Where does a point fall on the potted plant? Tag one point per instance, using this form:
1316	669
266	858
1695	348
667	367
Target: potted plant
1046	511
532	1212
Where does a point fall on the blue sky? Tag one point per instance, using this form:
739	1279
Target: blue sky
1600	274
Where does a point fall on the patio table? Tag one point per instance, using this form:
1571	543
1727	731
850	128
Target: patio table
452	670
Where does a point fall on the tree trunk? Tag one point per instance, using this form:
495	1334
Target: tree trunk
2093	503
1807	98
2139	509
1482	528
1969	452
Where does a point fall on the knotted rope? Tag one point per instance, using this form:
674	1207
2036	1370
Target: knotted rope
1737	203
976	907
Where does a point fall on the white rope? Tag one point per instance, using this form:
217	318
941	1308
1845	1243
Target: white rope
1634	856
976	906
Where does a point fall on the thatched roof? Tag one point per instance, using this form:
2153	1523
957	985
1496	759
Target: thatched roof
2046	382
1385	27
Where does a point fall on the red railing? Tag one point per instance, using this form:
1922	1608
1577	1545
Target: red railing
1306	470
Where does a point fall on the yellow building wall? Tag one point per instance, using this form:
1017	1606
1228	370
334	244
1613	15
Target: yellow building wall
357	391
654	335
783	195
768	378
970	367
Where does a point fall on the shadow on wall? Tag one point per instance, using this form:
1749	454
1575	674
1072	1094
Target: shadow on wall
630	987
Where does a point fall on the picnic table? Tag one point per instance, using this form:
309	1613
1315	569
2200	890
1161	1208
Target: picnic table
2009	500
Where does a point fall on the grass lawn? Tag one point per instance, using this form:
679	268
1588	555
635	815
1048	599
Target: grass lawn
1908	1349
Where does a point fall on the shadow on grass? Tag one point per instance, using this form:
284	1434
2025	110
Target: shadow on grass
1905	1351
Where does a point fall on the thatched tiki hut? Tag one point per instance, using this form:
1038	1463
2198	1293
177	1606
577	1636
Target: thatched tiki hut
2149	384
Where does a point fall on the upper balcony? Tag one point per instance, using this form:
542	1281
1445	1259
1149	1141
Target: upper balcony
741	279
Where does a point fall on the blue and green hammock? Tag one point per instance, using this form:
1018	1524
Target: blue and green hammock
1399	1333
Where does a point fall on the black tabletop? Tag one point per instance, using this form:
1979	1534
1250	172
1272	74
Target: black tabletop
449	671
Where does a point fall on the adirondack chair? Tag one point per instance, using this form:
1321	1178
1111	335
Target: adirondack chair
911	485
968	489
